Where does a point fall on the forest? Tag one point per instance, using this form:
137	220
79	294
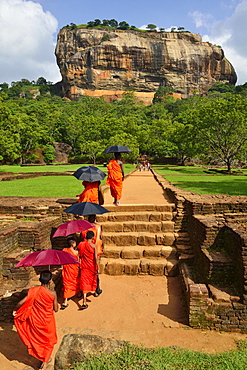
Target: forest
211	127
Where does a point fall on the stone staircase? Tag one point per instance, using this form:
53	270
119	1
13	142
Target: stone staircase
139	239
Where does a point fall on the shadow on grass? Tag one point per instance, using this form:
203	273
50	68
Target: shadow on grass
235	187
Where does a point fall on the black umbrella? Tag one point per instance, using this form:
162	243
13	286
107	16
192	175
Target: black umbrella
117	149
89	173
86	208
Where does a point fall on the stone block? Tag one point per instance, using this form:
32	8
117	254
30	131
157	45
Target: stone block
121	217
125	239
131	252
166	216
141	216
157	268
154	227
144	266
146	239
115	268
152	252
102	265
165	239
129	227
112	227
112	251
141	226
155	217
171	268
167	226
169	207
131	267
168	251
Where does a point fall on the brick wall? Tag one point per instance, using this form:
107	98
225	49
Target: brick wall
220	256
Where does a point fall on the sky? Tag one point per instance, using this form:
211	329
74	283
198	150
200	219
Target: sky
29	28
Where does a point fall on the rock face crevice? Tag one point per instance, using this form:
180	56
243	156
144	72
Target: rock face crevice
99	59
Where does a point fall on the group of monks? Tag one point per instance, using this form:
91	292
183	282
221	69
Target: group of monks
34	315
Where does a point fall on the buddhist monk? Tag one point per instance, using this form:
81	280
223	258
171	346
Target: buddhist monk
90	193
97	239
70	274
89	267
115	178
35	322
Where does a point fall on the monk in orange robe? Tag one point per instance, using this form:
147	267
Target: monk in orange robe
70	274
35	322
97	239
115	178
90	193
89	267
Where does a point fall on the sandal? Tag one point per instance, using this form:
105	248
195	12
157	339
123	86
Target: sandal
64	306
83	307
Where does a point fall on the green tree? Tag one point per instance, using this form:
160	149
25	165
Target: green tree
162	93
113	23
151	27
222	124
97	22
93	148
123	25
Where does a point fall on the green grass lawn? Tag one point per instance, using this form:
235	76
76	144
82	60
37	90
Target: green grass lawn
47	186
133	358
201	181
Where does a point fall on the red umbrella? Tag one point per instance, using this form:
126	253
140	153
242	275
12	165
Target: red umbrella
71	227
46	258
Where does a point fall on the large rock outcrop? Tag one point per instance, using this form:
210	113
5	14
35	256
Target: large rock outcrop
109	59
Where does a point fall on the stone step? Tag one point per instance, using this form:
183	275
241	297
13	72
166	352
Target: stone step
137	252
133	238
139	266
137	226
135	216
166	207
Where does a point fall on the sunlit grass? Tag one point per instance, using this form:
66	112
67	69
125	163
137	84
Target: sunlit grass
132	358
49	186
202	181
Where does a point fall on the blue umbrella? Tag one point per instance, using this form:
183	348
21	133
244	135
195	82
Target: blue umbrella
86	208
89	173
117	149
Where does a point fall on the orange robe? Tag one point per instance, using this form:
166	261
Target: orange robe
71	279
35	323
96	239
115	179
89	268
90	193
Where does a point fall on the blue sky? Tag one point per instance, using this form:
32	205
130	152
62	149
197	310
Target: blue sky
29	28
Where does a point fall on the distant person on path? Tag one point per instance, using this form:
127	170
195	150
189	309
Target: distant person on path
70	274
90	193
89	267
115	178
35	322
148	166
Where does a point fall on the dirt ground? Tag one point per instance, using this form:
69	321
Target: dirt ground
148	310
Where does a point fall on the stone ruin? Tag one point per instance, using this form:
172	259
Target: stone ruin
205	238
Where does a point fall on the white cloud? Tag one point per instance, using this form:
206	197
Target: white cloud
200	19
26	42
231	35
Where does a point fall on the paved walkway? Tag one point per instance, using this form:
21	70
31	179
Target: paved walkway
139	188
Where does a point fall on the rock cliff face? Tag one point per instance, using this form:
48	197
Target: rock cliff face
102	59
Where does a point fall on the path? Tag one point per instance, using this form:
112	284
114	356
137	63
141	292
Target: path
139	188
141	309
